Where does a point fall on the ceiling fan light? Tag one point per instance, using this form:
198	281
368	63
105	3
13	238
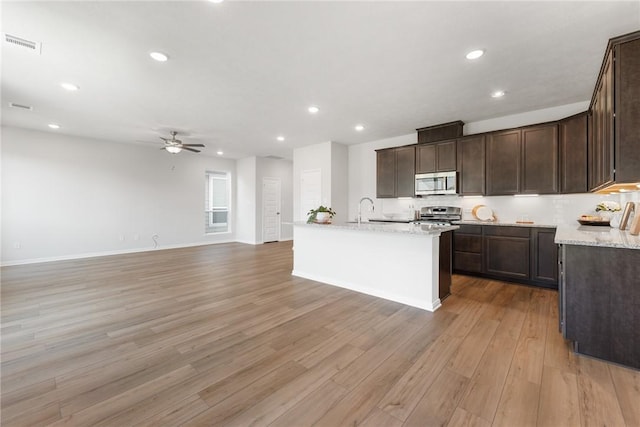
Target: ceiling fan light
172	149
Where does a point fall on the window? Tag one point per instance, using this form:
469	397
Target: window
217	197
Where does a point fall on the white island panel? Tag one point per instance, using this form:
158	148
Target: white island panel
400	266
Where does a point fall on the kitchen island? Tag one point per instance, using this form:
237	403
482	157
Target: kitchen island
398	262
599	292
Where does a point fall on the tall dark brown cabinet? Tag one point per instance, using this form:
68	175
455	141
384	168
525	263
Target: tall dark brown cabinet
471	161
572	135
614	148
503	162
540	159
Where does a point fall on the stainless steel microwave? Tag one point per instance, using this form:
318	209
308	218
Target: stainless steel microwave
430	184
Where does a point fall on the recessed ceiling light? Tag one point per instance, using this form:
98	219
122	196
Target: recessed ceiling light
69	86
280	138
475	54
159	56
220	153
54	126
498	94
216	1
313	109
359	128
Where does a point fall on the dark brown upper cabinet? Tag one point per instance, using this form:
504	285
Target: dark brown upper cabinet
386	173
471	160
573	139
405	171
440	132
601	144
523	161
540	160
395	172
503	162
614	147
436	157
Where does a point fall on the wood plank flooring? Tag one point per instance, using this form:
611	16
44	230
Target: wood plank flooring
223	335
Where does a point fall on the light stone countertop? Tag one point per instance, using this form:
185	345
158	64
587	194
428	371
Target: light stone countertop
585	235
503	224
385	227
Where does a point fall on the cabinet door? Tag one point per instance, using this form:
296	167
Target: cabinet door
601	146
503	162
507	256
540	159
471	157
446	156
608	120
627	109
385	173
426	158
405	171
544	260
573	154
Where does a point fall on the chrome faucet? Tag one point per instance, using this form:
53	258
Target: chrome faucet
373	208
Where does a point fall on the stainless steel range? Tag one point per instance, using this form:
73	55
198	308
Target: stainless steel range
439	215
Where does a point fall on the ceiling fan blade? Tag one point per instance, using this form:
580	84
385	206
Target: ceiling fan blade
190	149
193	145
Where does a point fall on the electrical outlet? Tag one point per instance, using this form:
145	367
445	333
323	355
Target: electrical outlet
16	245
121	238
136	237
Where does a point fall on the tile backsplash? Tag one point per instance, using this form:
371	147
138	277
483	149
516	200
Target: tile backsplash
544	209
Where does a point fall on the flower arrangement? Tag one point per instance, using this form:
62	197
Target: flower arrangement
326	214
608	207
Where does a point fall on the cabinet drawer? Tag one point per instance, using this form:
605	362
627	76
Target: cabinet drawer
468	243
464	261
469	229
507	231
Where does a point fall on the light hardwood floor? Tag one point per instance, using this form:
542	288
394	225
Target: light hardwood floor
224	335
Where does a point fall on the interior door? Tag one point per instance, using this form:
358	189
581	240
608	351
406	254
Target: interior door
270	209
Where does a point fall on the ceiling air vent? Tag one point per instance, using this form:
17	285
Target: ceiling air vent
33	47
21	106
273	157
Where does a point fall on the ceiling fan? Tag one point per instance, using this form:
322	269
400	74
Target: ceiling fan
174	146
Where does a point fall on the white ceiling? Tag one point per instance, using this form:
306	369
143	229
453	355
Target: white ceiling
241	73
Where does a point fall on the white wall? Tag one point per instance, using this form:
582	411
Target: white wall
317	156
549	209
331	158
246	195
524	119
283	170
339	181
67	197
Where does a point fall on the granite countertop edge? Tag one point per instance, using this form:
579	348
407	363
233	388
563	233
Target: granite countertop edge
605	237
397	228
502	224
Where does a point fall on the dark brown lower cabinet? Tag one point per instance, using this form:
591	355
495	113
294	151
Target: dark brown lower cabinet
467	243
599	299
544	262
445	265
507	252
518	254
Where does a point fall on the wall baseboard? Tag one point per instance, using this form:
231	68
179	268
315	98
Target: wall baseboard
110	253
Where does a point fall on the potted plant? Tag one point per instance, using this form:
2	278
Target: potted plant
322	215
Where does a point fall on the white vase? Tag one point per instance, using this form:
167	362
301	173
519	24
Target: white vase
614	222
323	217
